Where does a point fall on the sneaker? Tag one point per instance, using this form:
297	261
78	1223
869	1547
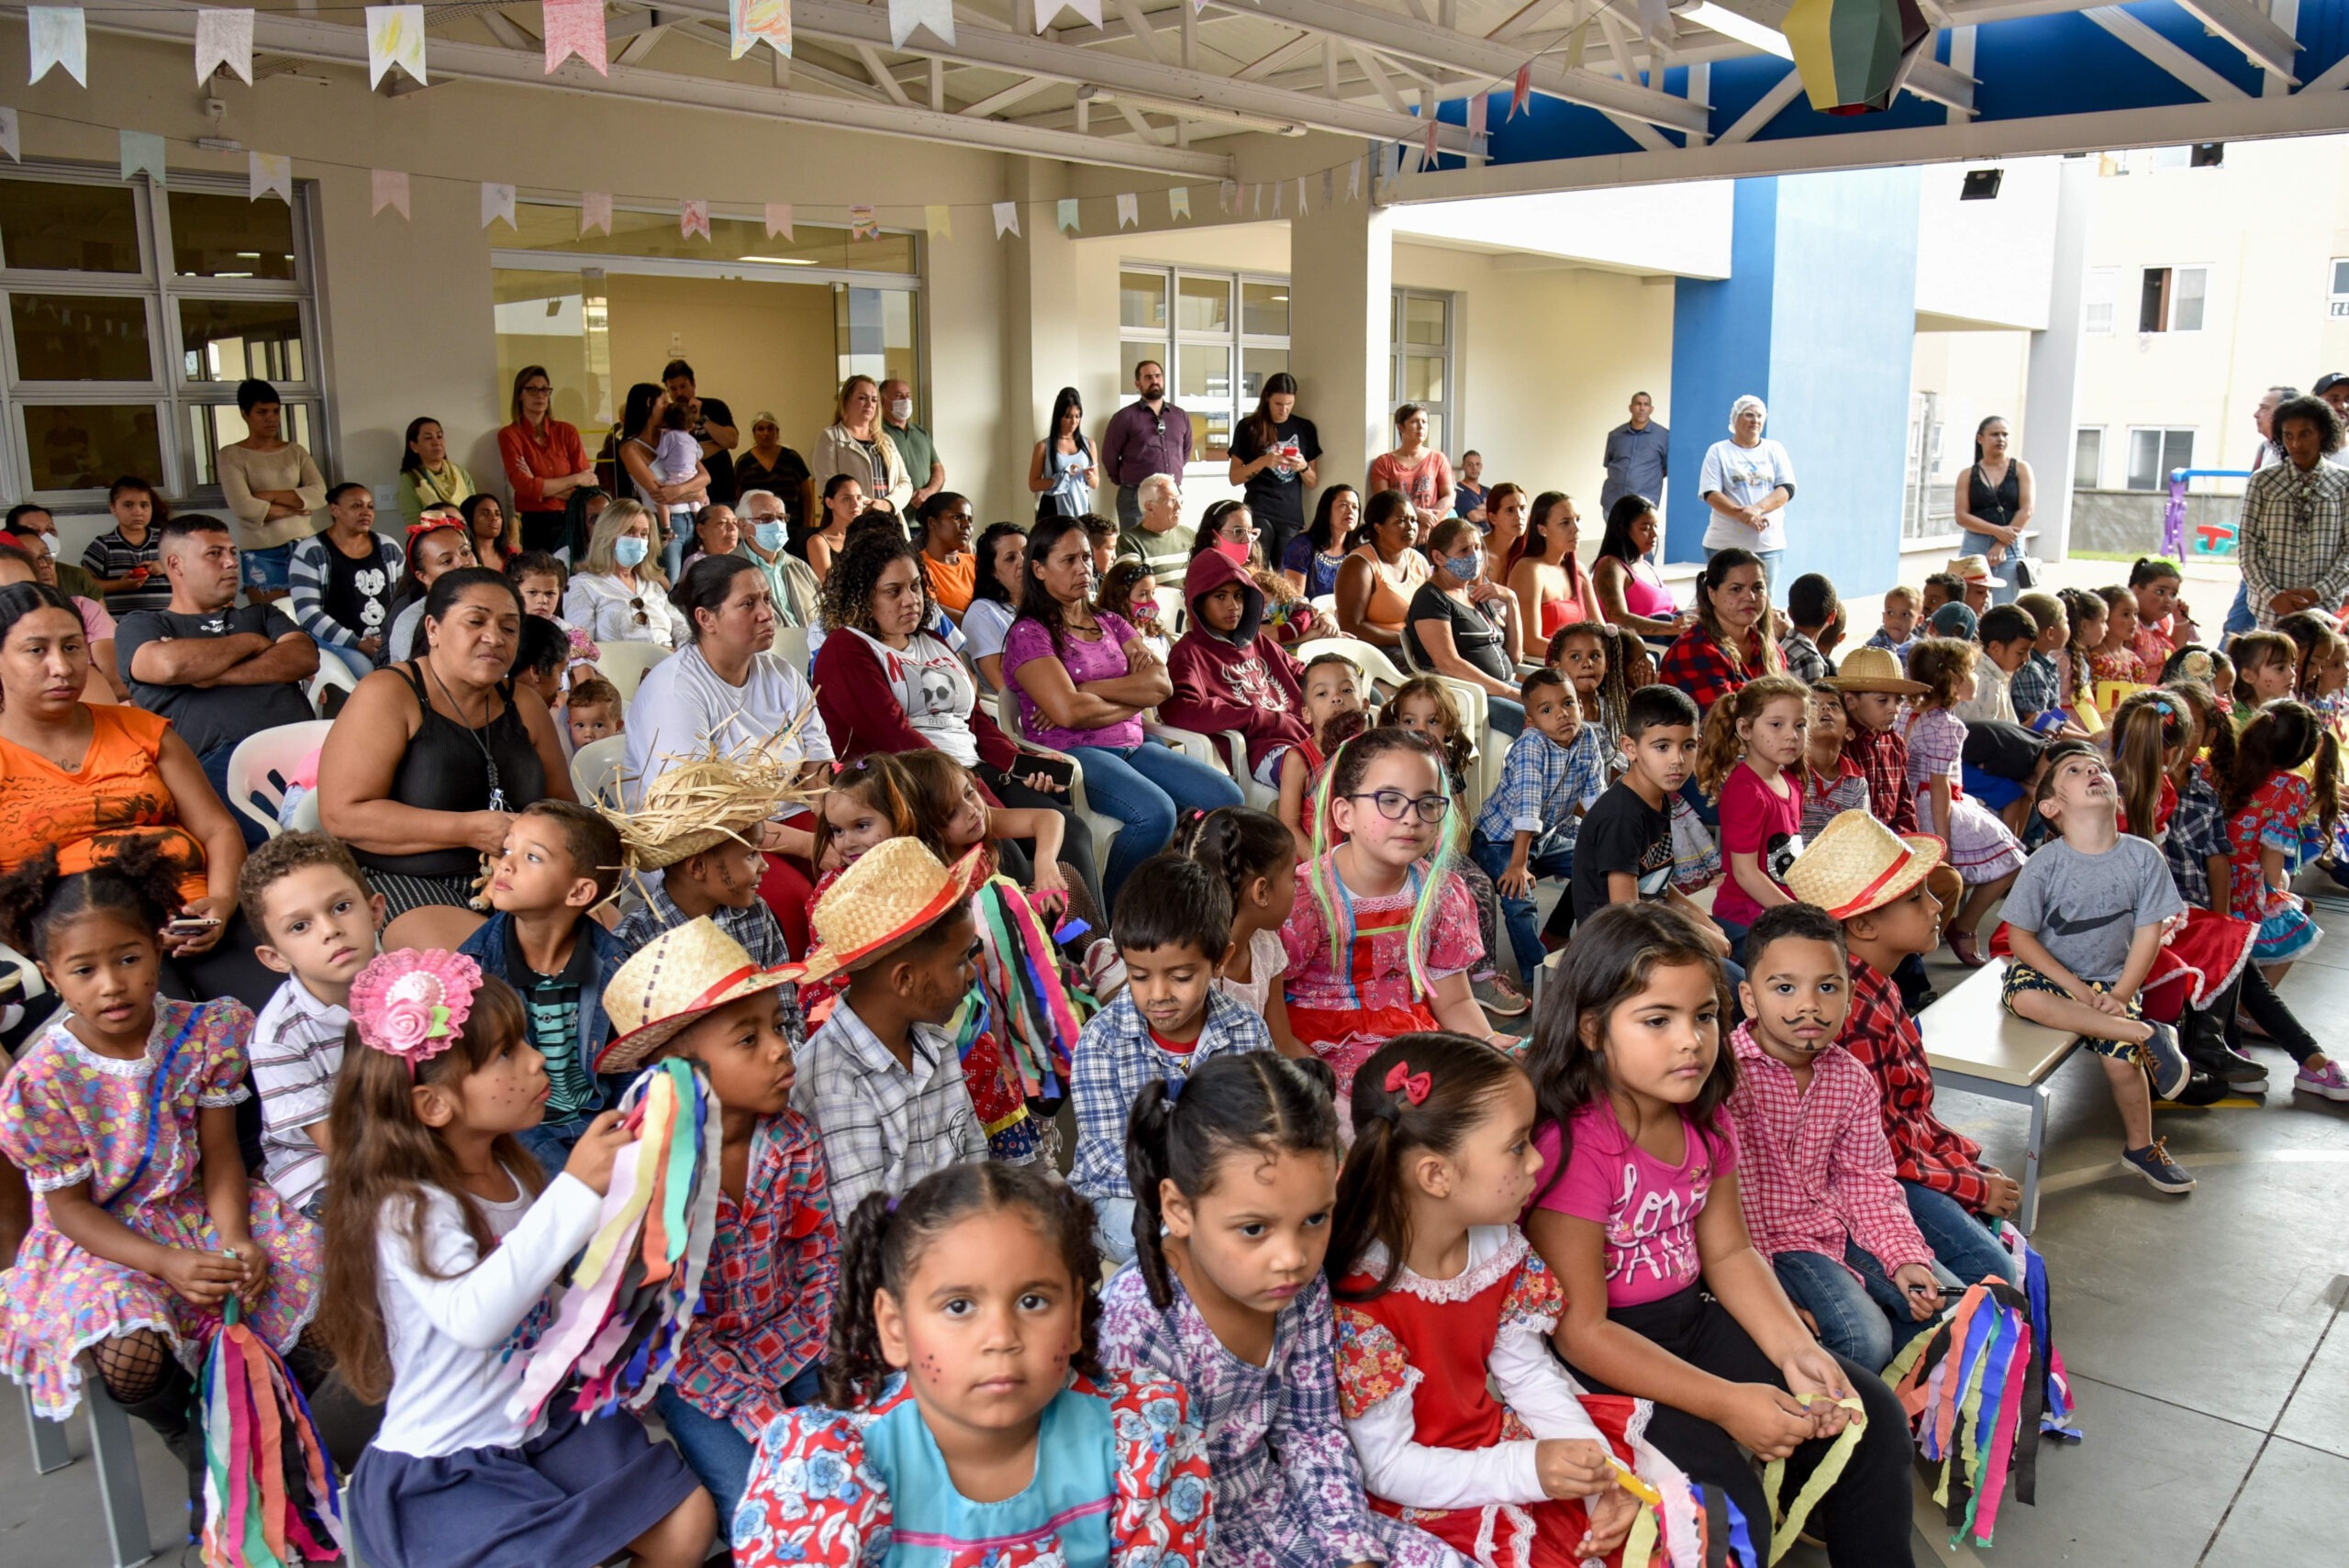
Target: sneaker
2166	1063
2153	1163
2328	1080
1498	996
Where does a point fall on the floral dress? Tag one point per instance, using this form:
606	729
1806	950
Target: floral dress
1275	1438
1345	1011
1981	849
2271	820
129	1129
1122	1481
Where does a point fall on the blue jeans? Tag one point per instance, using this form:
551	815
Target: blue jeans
216	768
1961	1244
351	659
265	570
716	1450
1852	1323
1506	714
2002	573
1771	582
674	532
550	1142
1146	788
2241	616
1519	914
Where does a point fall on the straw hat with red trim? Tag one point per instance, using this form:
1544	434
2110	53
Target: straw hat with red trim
1971	569
1874	670
888	897
669	983
1855	863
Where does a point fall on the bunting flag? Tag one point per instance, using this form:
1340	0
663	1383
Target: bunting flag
1047	9
751	20
1524	88
497	203
1226	193
9	143
1478	107
1329	188
223	38
1178	202
861	224
1655	20
595	212
269	174
575	27
1300	195
939	219
1066	215
395	36
779	219
693	217
1576	47
1353	181
905	16
1129	210
142	151
1426	154
390	190
1007	220
55	36
1278	189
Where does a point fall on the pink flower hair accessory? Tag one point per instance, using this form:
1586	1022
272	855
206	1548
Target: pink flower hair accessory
410	1004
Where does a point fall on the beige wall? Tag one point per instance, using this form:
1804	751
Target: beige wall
755	344
1972	376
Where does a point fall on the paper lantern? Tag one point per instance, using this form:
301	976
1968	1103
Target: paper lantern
1849	51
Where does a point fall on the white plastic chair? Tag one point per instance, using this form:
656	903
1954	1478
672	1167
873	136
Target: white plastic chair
624	664
1103	828
1227	750
596	771
333	675
261	766
1173	613
791	641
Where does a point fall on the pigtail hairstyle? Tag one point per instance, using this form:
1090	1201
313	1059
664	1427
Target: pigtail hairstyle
2145	727
1942	663
2256	650
2214	736
1422	1090
884	1238
1724	743
2281	737
2080	607
140	882
876	779
1253	1102
1238	841
1343	777
1608	963
386	1167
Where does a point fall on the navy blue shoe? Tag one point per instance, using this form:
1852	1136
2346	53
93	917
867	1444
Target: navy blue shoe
2167	1062
2153	1163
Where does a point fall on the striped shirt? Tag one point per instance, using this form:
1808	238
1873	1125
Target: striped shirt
111	555
296	1051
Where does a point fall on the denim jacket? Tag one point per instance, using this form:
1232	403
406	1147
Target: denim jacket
486	947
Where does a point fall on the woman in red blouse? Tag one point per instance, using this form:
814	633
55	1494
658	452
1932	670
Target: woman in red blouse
544	462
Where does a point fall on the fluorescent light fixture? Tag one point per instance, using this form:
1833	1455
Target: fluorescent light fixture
781	260
1736	25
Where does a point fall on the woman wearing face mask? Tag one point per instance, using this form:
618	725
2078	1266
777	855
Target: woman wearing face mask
1550	587
856	444
1229	529
619	593
765	530
1629	590
1381	572
1461	626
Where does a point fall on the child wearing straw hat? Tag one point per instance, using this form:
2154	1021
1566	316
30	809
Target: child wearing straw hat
1875	882
884	1083
756	1342
697	827
1873	685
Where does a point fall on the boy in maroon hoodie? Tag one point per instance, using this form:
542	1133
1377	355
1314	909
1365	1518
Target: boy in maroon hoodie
1227	677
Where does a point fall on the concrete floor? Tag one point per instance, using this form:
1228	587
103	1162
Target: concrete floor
2202	1333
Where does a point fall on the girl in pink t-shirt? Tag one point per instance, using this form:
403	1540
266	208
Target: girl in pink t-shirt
1637	1212
1751	763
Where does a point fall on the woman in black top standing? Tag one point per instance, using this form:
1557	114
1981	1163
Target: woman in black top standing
1272	454
1994	504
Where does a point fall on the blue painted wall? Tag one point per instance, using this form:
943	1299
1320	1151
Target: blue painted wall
1817	318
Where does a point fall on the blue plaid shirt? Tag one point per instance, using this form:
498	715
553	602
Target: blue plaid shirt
1543	785
1114	1057
2198	829
2034	687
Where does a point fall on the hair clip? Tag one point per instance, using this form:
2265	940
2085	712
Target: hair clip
893	1204
412	1002
1414	1088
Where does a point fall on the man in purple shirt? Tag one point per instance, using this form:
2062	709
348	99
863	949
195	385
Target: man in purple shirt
1141	438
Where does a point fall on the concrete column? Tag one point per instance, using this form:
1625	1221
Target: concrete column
1342	291
2051	380
1041	349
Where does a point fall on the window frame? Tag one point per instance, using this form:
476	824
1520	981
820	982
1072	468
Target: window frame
2337	297
1443	415
2103	282
2171	274
166	389
2094	481
1235	344
2161	473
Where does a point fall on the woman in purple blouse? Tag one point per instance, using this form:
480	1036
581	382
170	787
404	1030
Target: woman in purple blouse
1084	680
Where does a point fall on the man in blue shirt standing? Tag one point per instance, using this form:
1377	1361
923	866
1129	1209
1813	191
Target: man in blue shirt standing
1635	457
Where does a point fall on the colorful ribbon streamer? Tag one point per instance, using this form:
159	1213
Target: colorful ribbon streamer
260	1510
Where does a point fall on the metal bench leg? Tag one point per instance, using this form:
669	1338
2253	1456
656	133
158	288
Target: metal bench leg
118	1493
2027	1215
50	1452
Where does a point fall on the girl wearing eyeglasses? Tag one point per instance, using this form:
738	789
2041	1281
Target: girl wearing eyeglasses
1384	932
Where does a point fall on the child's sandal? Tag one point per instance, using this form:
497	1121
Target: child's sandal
1960	943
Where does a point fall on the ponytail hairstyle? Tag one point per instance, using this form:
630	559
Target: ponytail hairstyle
2215	736
1943	663
387	1170
1457	752
2080	608
1343	777
2281	737
1453	1077
2146	727
1607	965
883	1240
1709	583
2256	650
876	779
1239	842
2152	569
138	883
1255	1104
1724	741
2315	639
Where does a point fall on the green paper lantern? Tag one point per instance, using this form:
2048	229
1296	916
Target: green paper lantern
1848	51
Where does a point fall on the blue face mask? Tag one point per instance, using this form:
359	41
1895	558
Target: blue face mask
769	535
630	551
1463	566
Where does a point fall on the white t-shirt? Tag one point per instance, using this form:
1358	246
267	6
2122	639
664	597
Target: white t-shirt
1267	961
985	623
682	706
1745	474
934	689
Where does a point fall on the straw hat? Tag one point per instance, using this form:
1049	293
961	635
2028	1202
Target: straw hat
698	802
1874	670
671	982
1971	569
1855	863
895	890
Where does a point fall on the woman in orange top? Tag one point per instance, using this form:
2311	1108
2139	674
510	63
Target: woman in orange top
86	779
946	557
544	462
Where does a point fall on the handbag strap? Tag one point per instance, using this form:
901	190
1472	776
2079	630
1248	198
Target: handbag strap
155	1097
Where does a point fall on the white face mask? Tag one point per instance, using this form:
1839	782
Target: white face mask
901	410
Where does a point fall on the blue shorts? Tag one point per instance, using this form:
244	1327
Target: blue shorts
266	570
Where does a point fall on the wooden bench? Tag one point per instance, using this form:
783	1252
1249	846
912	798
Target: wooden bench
1974	1043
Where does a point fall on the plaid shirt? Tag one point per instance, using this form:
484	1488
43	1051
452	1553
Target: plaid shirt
1544	787
1698	665
1882	757
2198	829
1884	1037
1814	1168
2034	687
755	928
766	1298
1883	639
2295	534
296	1051
1805	662
885	1127
1116	1056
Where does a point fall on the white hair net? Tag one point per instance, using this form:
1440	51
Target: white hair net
1742	405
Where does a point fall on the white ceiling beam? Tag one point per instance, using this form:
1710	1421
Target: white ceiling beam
995	102
506	32
1483	60
339	44
2247	27
2164	53
937	84
2334	78
1765	110
640	45
880	74
1937	83
1141	30
1377	77
1264	65
1522	22
1133	117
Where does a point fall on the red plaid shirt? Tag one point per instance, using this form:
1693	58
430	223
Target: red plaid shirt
1882	1035
1883	759
1816	1170
766	1298
1697	664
